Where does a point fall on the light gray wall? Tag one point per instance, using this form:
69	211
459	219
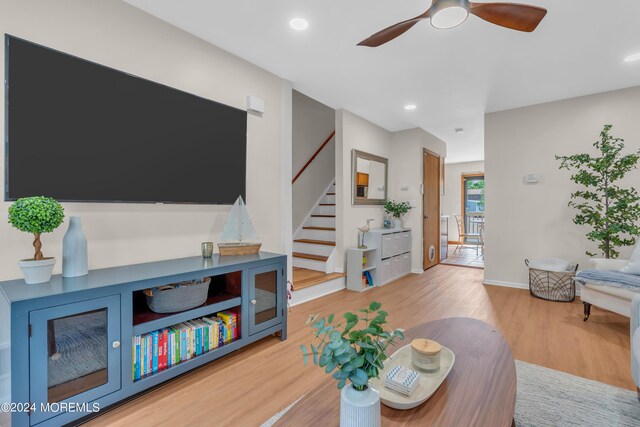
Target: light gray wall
406	171
452	199
404	150
354	132
534	221
115	34
313	122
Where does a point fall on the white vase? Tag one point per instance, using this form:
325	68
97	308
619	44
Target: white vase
74	250
359	408
37	271
397	223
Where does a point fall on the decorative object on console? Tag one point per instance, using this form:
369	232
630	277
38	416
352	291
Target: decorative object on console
387	221
207	249
611	212
74	250
397	209
179	297
36	215
238	236
357	355
364	229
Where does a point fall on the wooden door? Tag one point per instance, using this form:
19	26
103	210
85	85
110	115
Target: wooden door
431	210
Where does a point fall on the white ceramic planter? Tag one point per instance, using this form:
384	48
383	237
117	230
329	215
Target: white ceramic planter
397	223
37	271
359	408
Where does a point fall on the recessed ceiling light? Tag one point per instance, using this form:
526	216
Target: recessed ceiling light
459	130
632	58
410	107
299	24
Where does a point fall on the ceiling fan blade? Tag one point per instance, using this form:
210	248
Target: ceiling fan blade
519	17
390	33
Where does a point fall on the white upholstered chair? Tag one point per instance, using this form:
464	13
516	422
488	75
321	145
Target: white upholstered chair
610	298
635	341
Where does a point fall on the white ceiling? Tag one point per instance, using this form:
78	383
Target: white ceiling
453	76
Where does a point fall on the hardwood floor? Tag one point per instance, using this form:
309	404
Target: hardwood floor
247	387
466	256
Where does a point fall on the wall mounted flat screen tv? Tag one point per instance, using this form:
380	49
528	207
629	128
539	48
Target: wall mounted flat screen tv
80	131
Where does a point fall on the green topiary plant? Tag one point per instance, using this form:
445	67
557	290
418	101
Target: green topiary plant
36	215
397	209
352	354
610	211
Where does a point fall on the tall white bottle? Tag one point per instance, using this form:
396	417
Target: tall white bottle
74	250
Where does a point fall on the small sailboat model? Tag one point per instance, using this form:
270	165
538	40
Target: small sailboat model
238	236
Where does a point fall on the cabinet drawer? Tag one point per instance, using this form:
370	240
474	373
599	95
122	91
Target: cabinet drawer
405	246
387	245
396	266
406	263
397	243
385	271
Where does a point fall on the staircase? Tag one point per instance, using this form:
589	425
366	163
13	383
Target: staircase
314	243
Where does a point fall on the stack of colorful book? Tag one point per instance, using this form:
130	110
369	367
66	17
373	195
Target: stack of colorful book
161	349
229	325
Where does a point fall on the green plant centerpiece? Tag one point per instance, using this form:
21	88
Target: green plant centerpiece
609	210
351	354
36	215
397	209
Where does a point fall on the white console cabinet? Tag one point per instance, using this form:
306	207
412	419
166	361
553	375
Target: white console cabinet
393	255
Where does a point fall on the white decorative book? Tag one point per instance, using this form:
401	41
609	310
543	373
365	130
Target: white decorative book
402	380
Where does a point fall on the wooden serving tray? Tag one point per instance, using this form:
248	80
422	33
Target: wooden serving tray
429	382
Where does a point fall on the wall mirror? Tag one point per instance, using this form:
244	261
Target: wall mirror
368	178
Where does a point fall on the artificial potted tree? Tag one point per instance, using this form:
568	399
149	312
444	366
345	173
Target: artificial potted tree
397	209
353	355
36	215
610	211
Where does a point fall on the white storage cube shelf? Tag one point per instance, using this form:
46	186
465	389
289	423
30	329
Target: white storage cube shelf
388	257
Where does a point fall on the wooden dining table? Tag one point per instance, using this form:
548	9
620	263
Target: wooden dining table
479	391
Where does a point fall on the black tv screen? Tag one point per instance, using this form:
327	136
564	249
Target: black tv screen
80	131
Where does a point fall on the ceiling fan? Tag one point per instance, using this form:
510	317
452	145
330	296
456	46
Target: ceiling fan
451	13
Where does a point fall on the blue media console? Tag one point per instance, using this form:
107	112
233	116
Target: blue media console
67	347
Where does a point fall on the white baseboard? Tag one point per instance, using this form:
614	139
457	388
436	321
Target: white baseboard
505	284
417	271
339	270
317	291
515	285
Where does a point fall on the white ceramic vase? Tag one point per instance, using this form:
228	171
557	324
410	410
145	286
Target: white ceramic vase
359	408
397	223
37	271
74	250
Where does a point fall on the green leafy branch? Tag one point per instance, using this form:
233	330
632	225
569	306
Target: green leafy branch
612	212
348	353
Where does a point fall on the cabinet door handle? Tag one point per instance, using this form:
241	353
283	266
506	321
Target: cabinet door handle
253	302
115	344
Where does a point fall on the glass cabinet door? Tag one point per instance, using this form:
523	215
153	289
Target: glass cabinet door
266	297
74	353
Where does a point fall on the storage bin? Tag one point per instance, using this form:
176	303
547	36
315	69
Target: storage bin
179	297
558	286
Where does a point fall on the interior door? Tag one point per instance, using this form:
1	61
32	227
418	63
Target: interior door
431	210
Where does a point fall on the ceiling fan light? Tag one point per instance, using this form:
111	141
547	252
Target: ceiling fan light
447	14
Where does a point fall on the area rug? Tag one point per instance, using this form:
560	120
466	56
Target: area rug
548	398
